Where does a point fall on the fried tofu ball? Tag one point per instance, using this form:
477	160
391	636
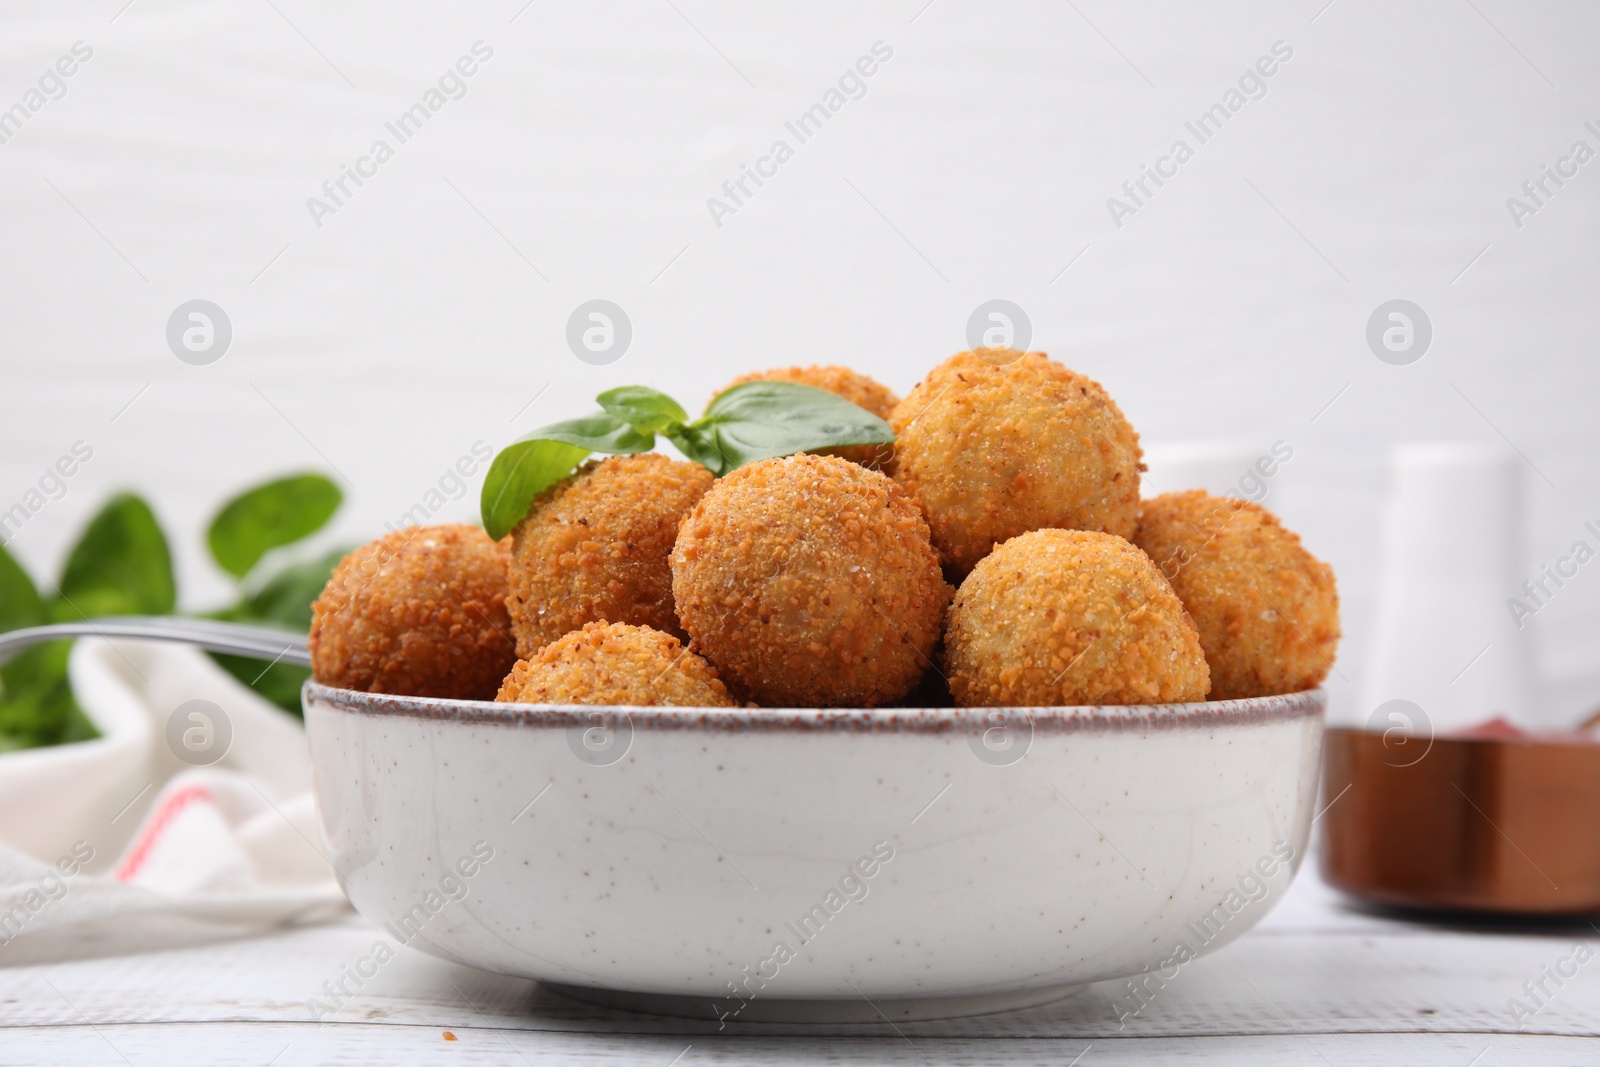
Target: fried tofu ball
614	663
995	442
859	389
810	582
420	612
1063	617
594	548
1267	610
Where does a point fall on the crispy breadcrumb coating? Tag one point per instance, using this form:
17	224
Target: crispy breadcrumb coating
614	663
857	388
594	548
810	582
420	612
994	443
1066	617
1267	610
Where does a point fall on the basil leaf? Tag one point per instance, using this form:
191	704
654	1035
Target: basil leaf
645	409
121	565
37	707
698	445
599	432
278	513
19	601
285	598
521	471
518	474
763	419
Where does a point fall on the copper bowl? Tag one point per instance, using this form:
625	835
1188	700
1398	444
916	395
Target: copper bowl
1502	825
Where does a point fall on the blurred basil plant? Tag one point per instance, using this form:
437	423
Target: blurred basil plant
121	565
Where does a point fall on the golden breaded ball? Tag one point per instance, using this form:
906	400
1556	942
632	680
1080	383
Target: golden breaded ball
1267	610
1063	617
614	663
809	582
420	612
857	388
995	442
594	548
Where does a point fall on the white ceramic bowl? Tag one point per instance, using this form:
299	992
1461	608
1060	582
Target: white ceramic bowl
831	864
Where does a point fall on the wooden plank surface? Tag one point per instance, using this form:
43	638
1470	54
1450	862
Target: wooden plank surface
1317	981
367	1044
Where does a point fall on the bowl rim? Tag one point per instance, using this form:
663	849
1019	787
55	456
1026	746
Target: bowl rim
1110	718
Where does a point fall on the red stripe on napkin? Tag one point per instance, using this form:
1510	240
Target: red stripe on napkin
169	809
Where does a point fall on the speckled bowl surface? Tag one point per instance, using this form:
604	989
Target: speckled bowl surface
825	864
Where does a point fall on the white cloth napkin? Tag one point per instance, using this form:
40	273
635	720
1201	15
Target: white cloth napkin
119	845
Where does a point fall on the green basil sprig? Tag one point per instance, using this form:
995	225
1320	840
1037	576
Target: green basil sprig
756	420
270	516
122	565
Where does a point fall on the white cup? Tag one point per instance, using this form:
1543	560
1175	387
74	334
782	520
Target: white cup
1444	641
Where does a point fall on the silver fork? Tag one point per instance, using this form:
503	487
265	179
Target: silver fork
256	642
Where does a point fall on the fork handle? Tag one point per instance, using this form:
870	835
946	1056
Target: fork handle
256	642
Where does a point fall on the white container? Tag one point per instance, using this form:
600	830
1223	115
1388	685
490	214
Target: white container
912	861
1452	546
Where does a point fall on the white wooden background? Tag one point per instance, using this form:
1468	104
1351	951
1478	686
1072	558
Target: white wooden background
429	313
1318	982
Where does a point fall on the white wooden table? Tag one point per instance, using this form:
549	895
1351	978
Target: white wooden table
1317	982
